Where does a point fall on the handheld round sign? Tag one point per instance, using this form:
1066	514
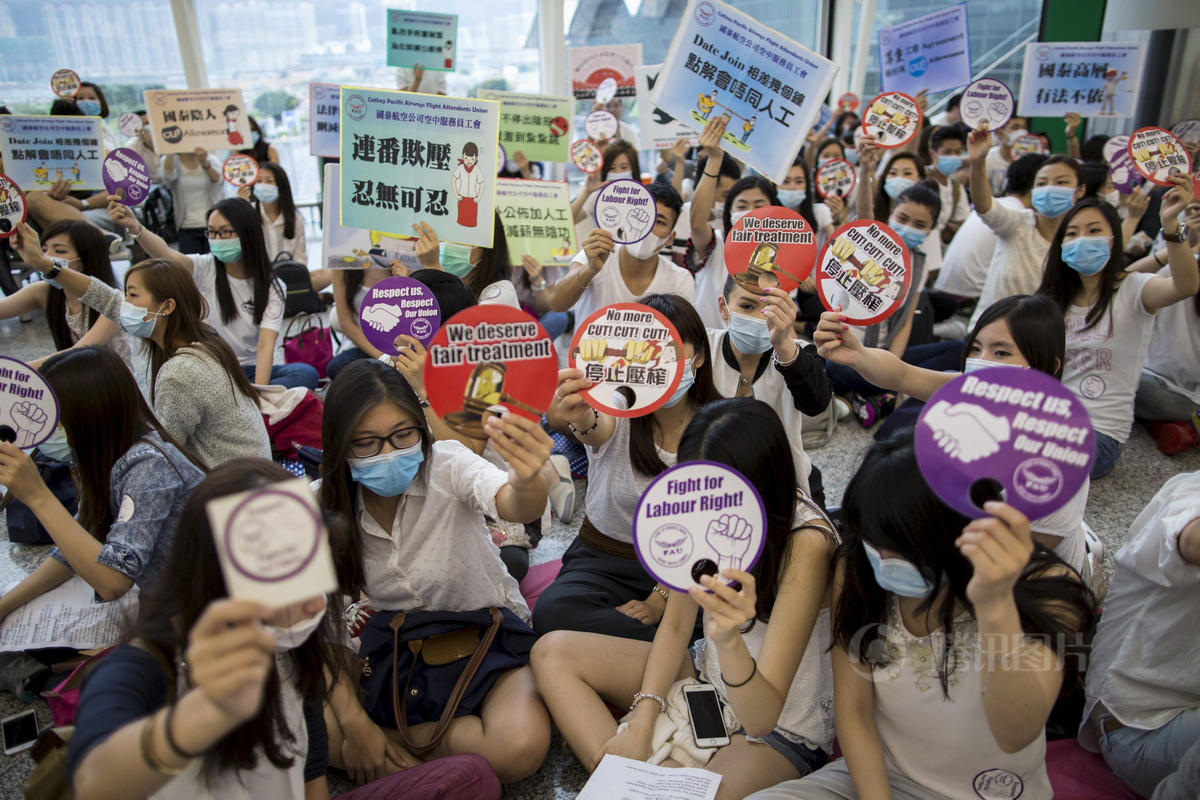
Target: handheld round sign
770	248
501	158
65	82
625	208
399	306
272	536
836	178
987	104
240	170
697	519
130	123
1005	433
1158	155
848	102
1125	176
866	269
1024	145
893	118
13	208
629	350
28	407
486	360
1187	131
600	125
124	170
587	156
606	91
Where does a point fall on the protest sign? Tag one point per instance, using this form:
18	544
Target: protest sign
770	248
587	156
657	130
422	37
697	519
537	220
40	151
1187	131
487	360
436	167
626	209
848	102
1125	176
239	170
987	104
28	407
181	121
399	306
13	208
866	269
606	91
629	350
356	248
535	125
723	62
1005	433
323	124
836	178
1158	155
930	52
125	171
589	67
65	82
893	118
600	126
1093	79
1027	144
272	544
130	123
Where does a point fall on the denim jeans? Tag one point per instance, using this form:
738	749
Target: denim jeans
289	375
1143	758
342	359
1108	450
1155	401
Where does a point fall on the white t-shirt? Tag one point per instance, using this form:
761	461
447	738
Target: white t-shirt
1104	363
614	486
967	258
277	243
1018	260
951	212
192	192
997	170
153	160
609	287
710	284
240	332
1174	352
1067	524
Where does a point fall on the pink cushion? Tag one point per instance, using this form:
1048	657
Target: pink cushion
537	579
1076	774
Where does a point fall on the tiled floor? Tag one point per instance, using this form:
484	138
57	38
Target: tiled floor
1114	503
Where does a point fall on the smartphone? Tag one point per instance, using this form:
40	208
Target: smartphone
20	732
704	712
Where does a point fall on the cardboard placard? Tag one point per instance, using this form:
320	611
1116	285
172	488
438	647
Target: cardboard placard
657	130
1005	428
587	156
1157	155
770	248
1092	79
28	407
589	67
848	102
600	125
324	136
37	152
488	359
239	170
930	52
13	208
537	220
422	37
836	178
866	269
632	350
272	544
535	125
987	104
182	120
893	118
356	248
65	82
696	519
399	306
1124	174
626	209
125	170
130	123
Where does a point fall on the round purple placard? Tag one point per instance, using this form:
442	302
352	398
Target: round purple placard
125	169
698	518
1125	176
272	536
399	306
625	208
1005	433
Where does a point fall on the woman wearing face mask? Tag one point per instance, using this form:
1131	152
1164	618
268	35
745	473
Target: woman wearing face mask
245	300
1097	182
1110	313
91	101
133	478
244	719
602	587
417	542
260	149
200	394
816	155
620	163
902	171
797	192
932	612
282	225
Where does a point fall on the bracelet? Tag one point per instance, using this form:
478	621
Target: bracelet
753	672
640	696
595	424
539	286
1154	255
788	363
710	175
174	745
661	592
152	761
138	235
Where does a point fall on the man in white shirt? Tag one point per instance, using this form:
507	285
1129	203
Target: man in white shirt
947	146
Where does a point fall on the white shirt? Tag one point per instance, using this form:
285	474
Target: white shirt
997	170
1174	352
277	243
153	160
609	286
438	555
1143	664
240	332
1067	524
951	212
1018	260
1104	363
192	192
614	486
710	284
967	258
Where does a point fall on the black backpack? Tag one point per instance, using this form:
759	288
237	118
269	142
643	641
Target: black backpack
158	213
301	297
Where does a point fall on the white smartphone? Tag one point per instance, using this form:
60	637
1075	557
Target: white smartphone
20	732
704	712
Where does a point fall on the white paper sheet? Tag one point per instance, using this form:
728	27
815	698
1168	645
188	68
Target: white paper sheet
620	778
67	616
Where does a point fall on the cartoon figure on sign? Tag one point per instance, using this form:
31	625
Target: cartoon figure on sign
483	395
75	172
1108	105
232	113
965	431
748	128
448	54
468	186
39	173
706	104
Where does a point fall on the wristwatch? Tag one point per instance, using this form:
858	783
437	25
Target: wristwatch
52	273
1176	237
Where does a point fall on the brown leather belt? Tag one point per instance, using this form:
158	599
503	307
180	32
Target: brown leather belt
596	540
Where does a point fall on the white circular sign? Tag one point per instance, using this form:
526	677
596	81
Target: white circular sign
601	125
28	407
1158	155
625	208
607	90
866	269
987	104
893	118
630	350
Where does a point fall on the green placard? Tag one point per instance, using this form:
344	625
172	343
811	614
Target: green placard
536	125
537	220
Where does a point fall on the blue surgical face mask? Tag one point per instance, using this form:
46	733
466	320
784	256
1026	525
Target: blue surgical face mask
134	322
620	176
1053	201
456	259
748	334
388	474
255	137
851	155
90	108
685	384
267	192
56	447
897	576
913	237
948	165
227	251
792	198
896	185
1087	255
975	364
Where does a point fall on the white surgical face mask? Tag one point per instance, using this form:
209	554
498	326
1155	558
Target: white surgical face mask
646	248
1112	198
973	364
294	635
734	216
618	176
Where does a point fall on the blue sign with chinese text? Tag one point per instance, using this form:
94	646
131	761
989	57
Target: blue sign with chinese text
420	37
40	151
930	52
1093	79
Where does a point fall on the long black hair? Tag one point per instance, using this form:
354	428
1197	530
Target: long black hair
1037	329
883	201
916	526
1061	283
494	265
192	579
247	223
287	203
805	209
92	248
744	185
260	151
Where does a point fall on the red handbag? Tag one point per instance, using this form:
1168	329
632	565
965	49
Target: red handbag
312	344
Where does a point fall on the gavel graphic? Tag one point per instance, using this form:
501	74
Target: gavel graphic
484	395
760	272
870	271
